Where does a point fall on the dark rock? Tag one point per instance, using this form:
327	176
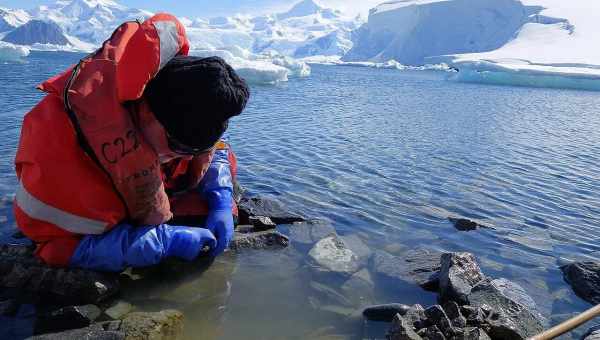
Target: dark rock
262	223
584	277
258	241
459	273
8	307
20	269
463	224
592	334
330	255
509	319
37	31
265	207
437	316
402	329
416	316
385	313
452	310
310	232
67	318
432	333
95	332
473	333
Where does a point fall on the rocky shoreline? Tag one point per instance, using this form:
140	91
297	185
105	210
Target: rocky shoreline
84	304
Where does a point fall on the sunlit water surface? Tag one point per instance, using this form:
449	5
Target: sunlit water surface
386	155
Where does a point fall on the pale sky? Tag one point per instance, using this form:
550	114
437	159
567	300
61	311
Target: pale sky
212	8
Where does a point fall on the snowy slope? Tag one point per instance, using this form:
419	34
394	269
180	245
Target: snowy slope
11	19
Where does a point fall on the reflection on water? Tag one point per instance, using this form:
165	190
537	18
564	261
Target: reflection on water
387	156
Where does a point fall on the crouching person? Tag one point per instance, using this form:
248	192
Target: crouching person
125	144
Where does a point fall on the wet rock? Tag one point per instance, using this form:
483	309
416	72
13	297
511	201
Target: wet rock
437	317
592	334
423	267
416	316
358	247
420	266
463	224
432	333
165	325
264	207
458	274
475	315
119	310
393	267
454	314
402	329
67	318
262	223
473	333
20	269
258	240
95	332
331	255
517	294
509	319
330	295
310	232
386	312
8	307
584	277
359	288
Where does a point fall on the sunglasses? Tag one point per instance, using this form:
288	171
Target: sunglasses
183	149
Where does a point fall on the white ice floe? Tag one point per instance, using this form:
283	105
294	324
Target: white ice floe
259	69
10	52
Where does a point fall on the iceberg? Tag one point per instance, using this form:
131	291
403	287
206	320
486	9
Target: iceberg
259	68
10	52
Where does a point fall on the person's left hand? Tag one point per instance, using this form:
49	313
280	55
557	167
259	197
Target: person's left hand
220	219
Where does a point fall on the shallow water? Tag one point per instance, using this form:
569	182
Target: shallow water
386	155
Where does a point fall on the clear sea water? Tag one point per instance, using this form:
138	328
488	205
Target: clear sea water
386	155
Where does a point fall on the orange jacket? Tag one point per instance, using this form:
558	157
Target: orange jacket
83	167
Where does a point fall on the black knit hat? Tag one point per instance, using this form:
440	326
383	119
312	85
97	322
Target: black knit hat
193	98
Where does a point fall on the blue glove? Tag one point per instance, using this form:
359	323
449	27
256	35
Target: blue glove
127	246
220	219
217	188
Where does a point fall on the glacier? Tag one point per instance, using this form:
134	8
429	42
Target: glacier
544	43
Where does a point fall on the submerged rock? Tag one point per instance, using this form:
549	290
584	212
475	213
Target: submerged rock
164	325
119	310
258	241
459	273
359	288
332	256
584	277
508	319
420	266
592	334
310	232
67	318
385	312
20	269
264	207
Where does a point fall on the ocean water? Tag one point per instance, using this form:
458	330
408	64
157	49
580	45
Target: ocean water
387	156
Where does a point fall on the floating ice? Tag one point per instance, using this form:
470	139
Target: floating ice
10	52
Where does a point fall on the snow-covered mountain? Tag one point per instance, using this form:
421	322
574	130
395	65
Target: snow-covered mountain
37	32
11	19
